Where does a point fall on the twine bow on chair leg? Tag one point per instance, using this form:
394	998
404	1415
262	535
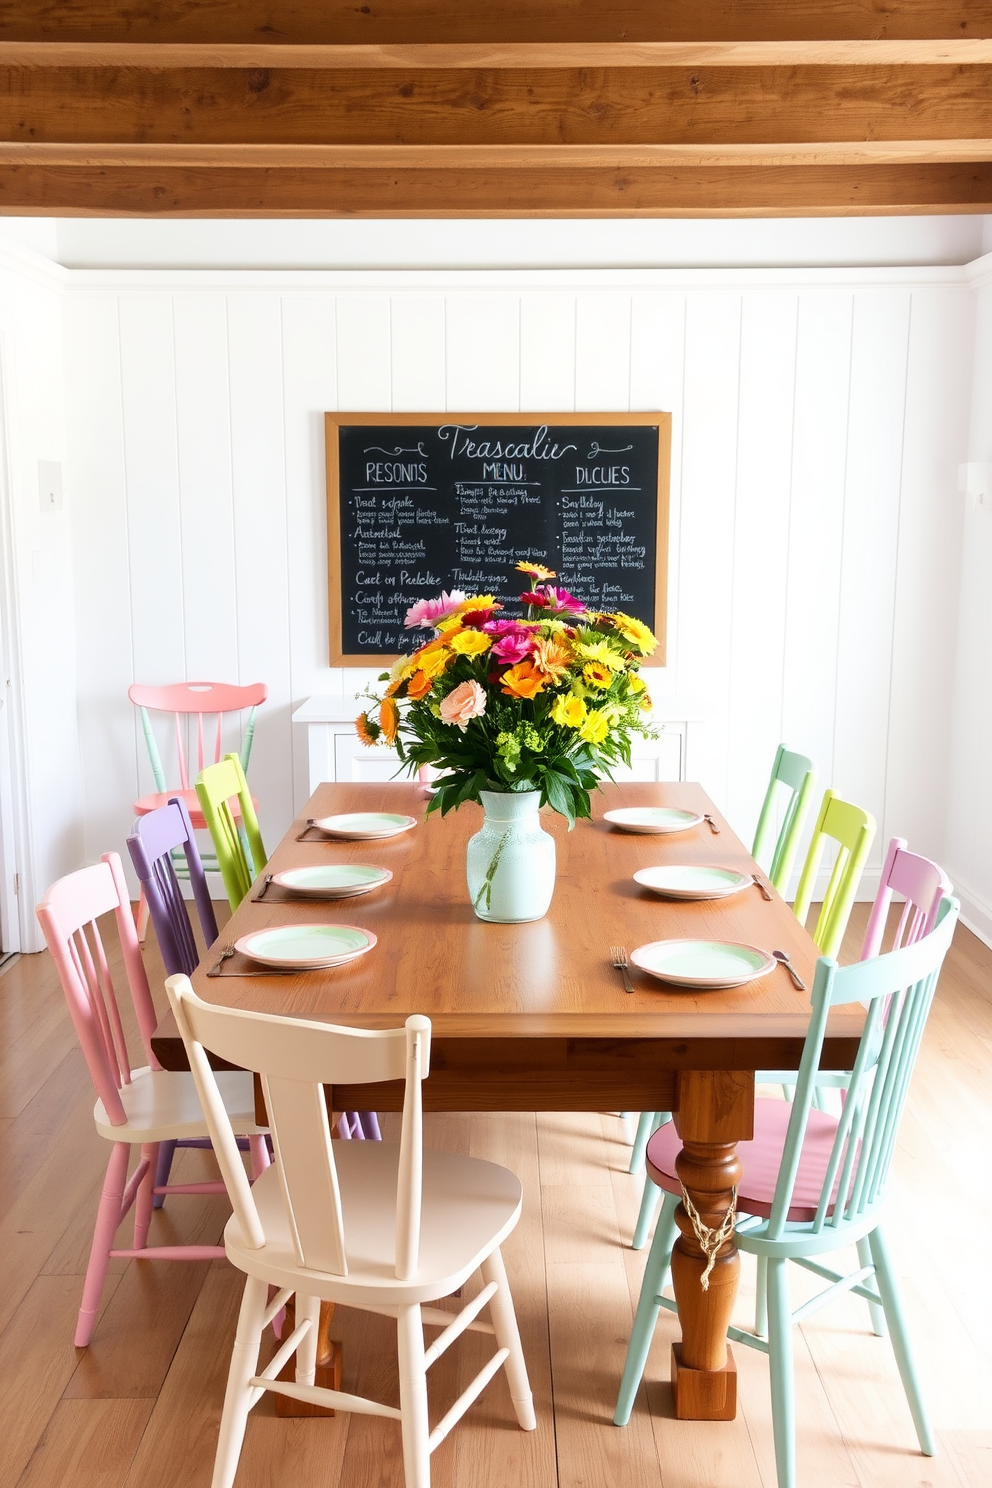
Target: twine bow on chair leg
710	1240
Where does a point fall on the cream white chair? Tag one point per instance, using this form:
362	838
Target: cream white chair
369	1224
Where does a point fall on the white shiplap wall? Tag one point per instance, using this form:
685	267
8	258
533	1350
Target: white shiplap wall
819	417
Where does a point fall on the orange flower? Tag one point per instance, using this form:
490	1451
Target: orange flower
389	720
552	656
366	730
523	680
418	686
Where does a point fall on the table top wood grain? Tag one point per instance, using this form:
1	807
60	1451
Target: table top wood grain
540	996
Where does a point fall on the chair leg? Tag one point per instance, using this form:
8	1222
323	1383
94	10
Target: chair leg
239	1396
144	1196
260	1159
876	1313
648	1308
306	1354
108	1217
504	1321
894	1316
413	1398
370	1125
647	1124
166	1152
761	1298
650	1199
782	1372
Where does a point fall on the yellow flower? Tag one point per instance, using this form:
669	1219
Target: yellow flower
595	727
636	632
477	602
602	652
449	626
568	711
389	720
646	703
635	683
596	674
471	642
366	730
433	663
537	570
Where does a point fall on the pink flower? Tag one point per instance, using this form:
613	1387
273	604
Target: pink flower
560	599
514	646
463	703
505	627
427	612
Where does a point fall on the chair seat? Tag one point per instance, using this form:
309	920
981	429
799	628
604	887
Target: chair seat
189	799
469	1207
163	1104
761	1159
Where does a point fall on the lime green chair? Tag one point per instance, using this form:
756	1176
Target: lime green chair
240	855
790	790
853	830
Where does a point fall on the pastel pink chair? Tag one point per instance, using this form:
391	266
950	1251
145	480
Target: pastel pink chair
143	1106
921	883
198	709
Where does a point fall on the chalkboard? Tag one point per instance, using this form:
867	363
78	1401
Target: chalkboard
417	503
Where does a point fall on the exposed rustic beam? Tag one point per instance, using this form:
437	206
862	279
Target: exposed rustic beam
596	106
279	191
490	56
417	21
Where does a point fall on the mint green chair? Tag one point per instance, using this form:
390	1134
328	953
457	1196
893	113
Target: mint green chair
790	791
853	830
813	1182
240	855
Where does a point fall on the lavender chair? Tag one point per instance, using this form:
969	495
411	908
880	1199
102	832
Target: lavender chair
157	840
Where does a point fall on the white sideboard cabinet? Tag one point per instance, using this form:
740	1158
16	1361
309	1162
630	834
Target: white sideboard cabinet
336	753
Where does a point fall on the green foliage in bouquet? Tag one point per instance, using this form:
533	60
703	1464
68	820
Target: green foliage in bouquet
549	702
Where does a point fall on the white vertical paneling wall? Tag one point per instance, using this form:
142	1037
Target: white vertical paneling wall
818	418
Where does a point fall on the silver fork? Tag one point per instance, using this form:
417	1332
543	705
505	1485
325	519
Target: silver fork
619	958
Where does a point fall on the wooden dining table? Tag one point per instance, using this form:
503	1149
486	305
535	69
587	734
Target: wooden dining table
534	1016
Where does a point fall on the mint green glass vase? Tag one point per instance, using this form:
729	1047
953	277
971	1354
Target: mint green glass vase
510	864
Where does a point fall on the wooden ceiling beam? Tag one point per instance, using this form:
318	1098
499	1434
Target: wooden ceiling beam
670	191
509	55
609	106
389	22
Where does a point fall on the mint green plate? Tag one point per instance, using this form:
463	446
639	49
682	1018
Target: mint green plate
652	819
332	880
306	946
693	881
707	965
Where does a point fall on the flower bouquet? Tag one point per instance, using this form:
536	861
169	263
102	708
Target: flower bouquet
517	713
547	702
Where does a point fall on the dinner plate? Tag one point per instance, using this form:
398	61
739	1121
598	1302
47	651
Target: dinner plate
306	946
364	825
652	819
332	880
693	881
707	965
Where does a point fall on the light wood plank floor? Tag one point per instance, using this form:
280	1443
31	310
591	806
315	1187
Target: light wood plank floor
141	1405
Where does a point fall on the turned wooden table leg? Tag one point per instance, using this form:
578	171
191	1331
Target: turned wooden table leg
329	1355
715	1111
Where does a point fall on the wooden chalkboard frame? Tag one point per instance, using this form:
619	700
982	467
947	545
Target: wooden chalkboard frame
333	422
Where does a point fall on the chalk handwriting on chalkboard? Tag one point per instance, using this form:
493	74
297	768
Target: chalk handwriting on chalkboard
457	505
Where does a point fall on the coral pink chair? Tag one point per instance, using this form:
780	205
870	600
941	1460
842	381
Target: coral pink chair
208	703
143	1106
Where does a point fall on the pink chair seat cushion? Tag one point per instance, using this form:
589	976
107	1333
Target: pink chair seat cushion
190	801
761	1159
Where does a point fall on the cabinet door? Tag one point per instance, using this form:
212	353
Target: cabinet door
656	759
354	760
